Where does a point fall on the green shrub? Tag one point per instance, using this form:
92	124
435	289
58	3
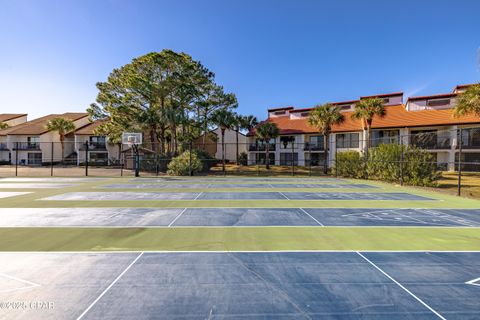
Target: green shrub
390	163
243	159
349	164
179	166
207	160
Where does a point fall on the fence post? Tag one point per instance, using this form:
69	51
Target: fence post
459	186
190	173
309	160
293	159
16	159
86	158
121	156
401	161
336	153
51	159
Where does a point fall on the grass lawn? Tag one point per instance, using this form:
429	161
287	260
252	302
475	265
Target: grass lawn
470	183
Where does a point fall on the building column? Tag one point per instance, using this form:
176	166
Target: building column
453	148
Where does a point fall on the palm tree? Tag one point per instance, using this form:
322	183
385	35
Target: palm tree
323	117
468	102
265	132
243	123
3	125
62	126
366	110
224	119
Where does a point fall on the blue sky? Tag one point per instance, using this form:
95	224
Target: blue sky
270	53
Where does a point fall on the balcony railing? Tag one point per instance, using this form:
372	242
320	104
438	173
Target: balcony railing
26	146
260	147
432	143
93	146
3	146
313	146
389	140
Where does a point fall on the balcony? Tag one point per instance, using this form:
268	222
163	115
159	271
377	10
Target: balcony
3	147
94	146
390	140
26	146
260	147
431	142
313	146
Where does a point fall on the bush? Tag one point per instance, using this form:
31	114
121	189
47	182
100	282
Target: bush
179	166
390	163
207	160
349	164
243	159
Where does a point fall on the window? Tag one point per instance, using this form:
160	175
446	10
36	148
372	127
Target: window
98	157
384	137
438	102
347	140
470	138
386	100
286	142
97	142
315	159
286	159
314	143
35	158
304	114
279	113
345	107
33	142
260	158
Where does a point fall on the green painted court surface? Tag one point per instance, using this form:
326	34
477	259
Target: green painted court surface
216	248
231	213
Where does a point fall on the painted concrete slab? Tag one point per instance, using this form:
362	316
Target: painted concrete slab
34	185
268	285
396	217
4	194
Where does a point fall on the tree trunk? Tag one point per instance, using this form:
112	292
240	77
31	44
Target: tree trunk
326	148
153	139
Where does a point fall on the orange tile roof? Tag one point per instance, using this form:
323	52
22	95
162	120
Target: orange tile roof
10	116
37	126
395	117
89	129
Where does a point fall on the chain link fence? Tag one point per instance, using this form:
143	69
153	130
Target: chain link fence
303	155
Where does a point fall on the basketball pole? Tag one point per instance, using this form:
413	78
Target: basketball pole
137	160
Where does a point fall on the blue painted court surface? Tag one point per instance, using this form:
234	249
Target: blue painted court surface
236	217
237	185
273	285
97	196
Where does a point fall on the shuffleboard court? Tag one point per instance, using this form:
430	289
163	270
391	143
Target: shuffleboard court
87	217
99	196
237	179
5	194
274	285
33	185
396	217
236	217
230	186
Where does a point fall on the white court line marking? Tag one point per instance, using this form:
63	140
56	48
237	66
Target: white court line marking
108	288
283	195
473	282
401	286
198	195
178	216
30	284
444	215
308	214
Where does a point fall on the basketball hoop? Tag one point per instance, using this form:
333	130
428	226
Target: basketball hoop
133	140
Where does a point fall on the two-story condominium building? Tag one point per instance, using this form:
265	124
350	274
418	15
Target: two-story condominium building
95	147
31	143
424	121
